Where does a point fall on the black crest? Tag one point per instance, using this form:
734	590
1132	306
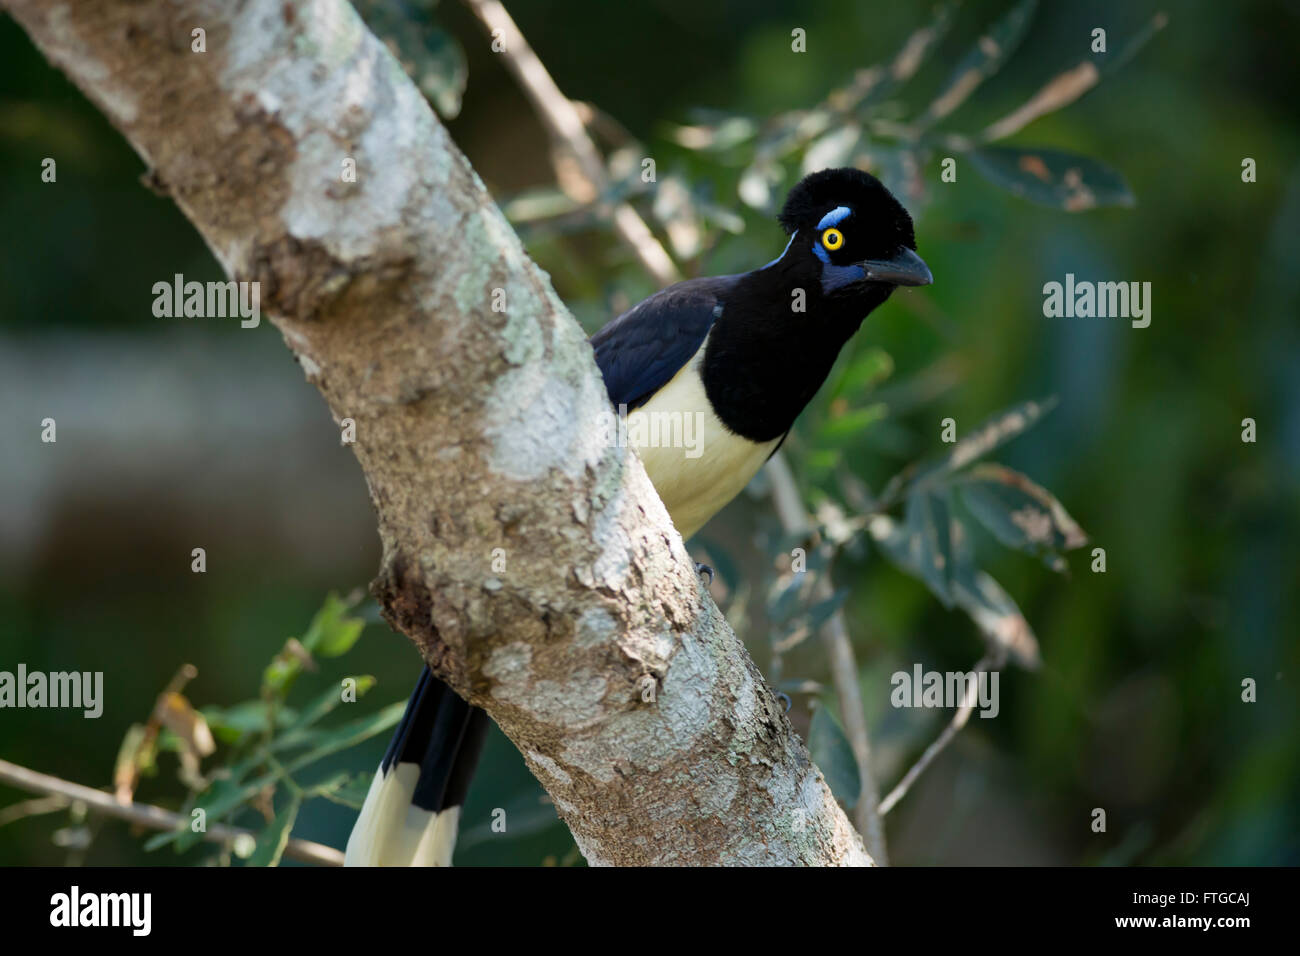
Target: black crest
820	192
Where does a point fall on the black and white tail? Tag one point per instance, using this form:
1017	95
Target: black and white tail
412	810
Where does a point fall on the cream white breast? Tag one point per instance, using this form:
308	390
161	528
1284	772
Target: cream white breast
695	463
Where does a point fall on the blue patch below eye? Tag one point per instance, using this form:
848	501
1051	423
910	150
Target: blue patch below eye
821	253
837	277
834	217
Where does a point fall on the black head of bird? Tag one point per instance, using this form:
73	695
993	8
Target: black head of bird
749	351
783	325
851	239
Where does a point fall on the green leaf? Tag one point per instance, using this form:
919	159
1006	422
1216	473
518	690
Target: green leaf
1019	513
675	208
864	373
332	633
161	839
317	709
1070	84
757	182
442	73
981	61
898	167
811	621
714	131
833	148
917	49
227	794
822	611
842	429
786	596
976	593
279	676
721	216
326	742
1109	62
344	788
430	56
272	840
994	612
994	433
820	462
786	132
927	543
219	799
830	751
872	85
1052	178
231	724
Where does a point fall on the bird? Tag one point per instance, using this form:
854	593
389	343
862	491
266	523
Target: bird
738	357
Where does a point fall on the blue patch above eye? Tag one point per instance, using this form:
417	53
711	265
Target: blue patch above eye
834	217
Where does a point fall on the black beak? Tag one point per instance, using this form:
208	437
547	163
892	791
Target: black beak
903	268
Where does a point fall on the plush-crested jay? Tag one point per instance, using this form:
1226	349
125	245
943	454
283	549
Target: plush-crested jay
740	355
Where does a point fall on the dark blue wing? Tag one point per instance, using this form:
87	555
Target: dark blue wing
641	350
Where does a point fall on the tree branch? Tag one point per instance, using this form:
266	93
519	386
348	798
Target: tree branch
145	815
562	120
844	668
479	416
965	707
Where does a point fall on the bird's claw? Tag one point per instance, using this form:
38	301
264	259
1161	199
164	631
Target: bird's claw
704	569
788	702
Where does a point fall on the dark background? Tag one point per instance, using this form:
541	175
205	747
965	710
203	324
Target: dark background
182	433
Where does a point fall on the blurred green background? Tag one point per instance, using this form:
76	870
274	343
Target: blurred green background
175	434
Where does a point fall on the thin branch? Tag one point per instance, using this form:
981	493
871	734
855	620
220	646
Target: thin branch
1061	91
964	709
564	122
1064	88
33	808
844	668
145	815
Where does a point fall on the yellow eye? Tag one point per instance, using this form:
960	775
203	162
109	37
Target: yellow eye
832	239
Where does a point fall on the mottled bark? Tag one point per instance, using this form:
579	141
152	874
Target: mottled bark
596	649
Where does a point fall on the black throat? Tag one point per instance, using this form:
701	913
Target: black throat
765	361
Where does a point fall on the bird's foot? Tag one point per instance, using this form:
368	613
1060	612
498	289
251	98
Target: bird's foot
703	569
788	702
